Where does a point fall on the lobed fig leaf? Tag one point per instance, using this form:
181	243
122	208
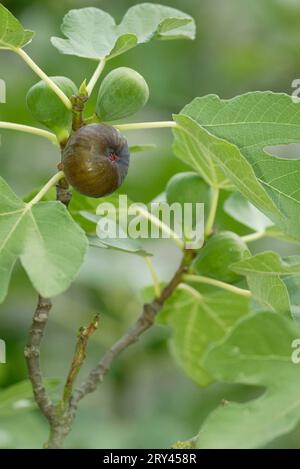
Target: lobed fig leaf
51	257
12	34
93	34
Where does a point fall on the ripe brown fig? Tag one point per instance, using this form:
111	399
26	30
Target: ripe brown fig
95	160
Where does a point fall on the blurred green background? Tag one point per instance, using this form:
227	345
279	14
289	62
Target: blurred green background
145	402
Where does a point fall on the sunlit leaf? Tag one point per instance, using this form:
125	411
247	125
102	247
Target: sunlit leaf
251	122
12	33
93	33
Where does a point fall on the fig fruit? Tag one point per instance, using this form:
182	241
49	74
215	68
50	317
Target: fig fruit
189	187
95	160
122	93
48	109
220	251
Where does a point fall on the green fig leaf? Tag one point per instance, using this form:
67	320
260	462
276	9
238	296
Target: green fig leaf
257	352
92	33
50	245
266	273
251	122
198	321
12	34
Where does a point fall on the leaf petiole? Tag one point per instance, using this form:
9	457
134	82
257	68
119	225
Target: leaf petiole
44	77
154	276
161	225
146	125
95	76
29	130
254	236
212	213
45	189
218	284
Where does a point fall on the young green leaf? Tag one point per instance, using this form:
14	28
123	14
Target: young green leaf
93	33
12	33
265	274
48	242
198	321
253	122
258	352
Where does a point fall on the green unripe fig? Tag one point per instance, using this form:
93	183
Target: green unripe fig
48	109
122	93
189	187
220	251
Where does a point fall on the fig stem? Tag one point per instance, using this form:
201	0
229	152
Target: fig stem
46	188
44	77
95	76
30	130
154	276
217	283
253	236
212	212
146	125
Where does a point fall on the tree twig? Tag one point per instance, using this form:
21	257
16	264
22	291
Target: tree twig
32	355
62	192
144	322
59	425
61	416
